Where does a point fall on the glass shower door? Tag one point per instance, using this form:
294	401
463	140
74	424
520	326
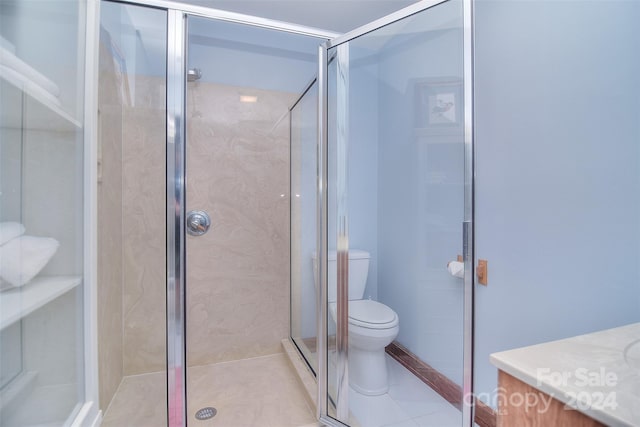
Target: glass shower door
131	200
304	220
237	204
396	199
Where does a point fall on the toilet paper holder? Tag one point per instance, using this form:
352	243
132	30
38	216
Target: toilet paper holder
481	270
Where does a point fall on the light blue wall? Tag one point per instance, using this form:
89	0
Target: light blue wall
363	161
362	179
226	53
420	206
557	181
241	55
558	171
405	194
136	42
362	158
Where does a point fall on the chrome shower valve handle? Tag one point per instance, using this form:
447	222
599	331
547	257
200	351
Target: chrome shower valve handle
198	223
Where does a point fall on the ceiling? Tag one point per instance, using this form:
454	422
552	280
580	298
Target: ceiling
335	15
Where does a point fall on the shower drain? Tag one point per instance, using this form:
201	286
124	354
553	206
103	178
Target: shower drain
206	413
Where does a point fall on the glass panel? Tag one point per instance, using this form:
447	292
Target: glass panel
237	163
338	125
131	214
304	217
42	45
400	89
41	211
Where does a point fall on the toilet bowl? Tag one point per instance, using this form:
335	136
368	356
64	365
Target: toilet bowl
372	326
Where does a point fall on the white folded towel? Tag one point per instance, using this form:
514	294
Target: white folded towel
22	258
9	231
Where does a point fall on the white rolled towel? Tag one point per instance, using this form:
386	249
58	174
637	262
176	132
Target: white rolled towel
9	231
456	269
22	258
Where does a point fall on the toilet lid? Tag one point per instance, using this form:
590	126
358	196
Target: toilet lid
369	311
368	314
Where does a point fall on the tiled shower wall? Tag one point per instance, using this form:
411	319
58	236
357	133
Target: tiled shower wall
144	228
110	229
238	172
238	273
131	231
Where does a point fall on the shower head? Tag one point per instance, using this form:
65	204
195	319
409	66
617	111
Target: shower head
193	74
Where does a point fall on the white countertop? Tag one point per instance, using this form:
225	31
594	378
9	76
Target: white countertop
598	374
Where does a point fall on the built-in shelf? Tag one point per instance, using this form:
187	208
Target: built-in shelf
43	110
19	302
17	390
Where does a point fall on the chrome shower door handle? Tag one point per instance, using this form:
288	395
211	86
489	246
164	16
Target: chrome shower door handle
198	223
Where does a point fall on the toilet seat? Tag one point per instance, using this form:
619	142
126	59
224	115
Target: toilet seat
369	314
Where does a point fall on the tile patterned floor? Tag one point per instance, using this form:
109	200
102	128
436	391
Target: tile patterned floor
409	403
262	391
265	392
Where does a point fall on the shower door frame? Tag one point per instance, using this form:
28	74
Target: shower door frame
176	190
468	400
176	177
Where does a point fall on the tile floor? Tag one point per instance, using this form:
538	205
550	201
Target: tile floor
261	391
265	392
409	403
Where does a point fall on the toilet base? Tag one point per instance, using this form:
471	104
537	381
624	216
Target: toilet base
368	371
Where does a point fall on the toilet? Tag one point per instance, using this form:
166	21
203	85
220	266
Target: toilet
372	326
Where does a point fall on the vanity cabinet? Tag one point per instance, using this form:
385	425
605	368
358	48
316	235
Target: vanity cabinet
584	381
535	408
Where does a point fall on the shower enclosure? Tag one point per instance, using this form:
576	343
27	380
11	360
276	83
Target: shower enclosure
195	130
254	200
392	176
396	182
237	172
231	152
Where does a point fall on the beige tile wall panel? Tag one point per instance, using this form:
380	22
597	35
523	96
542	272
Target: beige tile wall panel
238	273
110	273
144	240
144	227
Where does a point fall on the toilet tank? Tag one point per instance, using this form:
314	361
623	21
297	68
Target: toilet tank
358	272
